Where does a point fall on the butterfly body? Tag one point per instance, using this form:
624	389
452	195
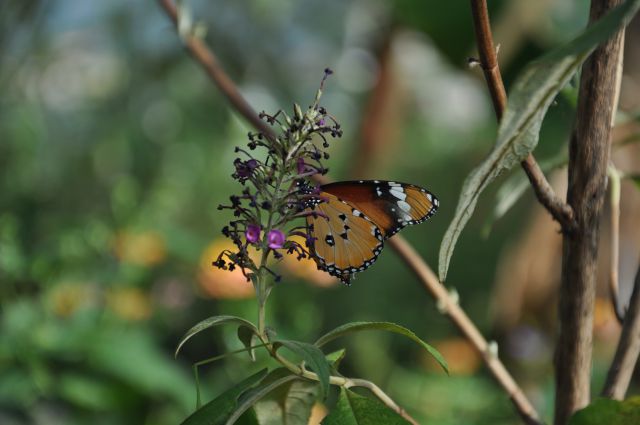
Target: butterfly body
354	218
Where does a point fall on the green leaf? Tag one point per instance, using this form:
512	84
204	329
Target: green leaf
354	409
312	357
290	404
530	97
247	335
336	357
275	379
636	179
383	326
610	412
211	322
218	410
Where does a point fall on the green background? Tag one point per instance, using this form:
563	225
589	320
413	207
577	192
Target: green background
115	150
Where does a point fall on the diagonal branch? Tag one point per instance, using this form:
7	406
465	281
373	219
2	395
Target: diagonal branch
200	52
448	305
628	349
559	209
205	57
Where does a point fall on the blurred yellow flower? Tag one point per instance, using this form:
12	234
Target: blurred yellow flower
140	248
130	304
223	284
66	298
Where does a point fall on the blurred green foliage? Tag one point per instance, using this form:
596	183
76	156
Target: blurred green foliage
115	151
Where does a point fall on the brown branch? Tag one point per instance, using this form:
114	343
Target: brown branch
628	349
559	209
201	54
205	57
588	160
614	211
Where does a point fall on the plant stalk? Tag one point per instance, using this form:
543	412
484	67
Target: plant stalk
588	160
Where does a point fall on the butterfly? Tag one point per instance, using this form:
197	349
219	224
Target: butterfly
354	218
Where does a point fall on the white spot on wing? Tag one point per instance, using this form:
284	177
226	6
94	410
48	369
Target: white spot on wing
404	206
398	193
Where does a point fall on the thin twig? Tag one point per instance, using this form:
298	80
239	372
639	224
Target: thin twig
614	183
559	209
399	244
628	349
205	57
342	382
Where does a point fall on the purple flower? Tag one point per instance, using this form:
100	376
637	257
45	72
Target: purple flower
275	238
252	233
245	168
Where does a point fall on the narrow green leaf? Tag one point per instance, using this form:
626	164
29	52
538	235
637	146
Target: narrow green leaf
247	335
610	412
354	409
275	379
382	326
532	93
211	322
314	358
218	410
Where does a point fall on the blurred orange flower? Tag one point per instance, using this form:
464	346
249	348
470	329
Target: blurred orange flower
605	324
307	268
140	248
460	355
318	413
130	304
223	284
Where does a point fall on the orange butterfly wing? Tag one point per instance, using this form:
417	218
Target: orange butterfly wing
390	205
357	216
346	241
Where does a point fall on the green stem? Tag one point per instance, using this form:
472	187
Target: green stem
262	301
262	285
